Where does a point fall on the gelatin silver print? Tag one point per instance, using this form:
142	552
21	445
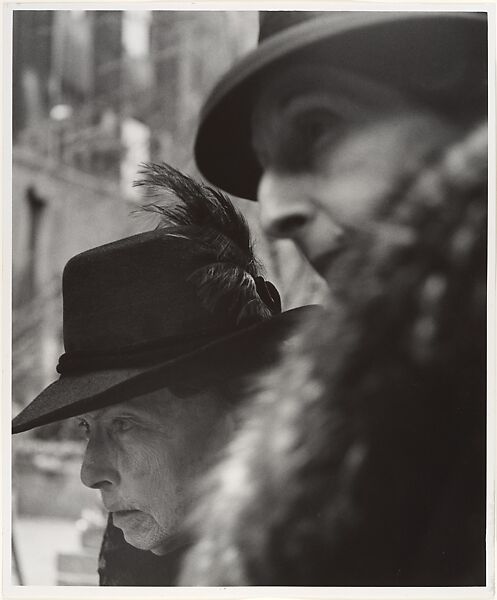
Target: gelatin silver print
249	274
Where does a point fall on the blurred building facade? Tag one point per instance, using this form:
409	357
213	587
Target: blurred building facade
94	94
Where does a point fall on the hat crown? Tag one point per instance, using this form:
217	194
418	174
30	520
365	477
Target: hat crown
141	298
134	291
272	22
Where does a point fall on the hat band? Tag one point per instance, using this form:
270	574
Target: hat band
137	355
157	351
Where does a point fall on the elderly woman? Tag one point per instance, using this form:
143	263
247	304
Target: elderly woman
362	461
159	330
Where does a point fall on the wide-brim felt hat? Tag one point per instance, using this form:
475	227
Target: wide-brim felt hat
135	321
437	58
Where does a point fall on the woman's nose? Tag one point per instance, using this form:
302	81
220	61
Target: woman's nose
99	467
284	208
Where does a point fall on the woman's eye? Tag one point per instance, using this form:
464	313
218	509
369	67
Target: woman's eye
319	125
84	427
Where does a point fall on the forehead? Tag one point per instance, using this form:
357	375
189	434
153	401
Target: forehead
351	96
158	404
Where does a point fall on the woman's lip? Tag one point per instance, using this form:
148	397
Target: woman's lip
123	518
124	513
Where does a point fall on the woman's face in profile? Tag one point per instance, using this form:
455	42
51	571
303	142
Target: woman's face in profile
144	456
333	151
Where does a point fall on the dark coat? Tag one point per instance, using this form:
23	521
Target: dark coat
363	459
123	565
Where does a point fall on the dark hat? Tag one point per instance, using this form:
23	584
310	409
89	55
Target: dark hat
182	304
437	58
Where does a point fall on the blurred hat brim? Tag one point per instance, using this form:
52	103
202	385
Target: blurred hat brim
417	55
235	355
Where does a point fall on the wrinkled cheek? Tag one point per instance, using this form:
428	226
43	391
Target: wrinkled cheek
155	479
172	494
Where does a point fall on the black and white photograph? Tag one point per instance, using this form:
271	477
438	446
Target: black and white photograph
249	300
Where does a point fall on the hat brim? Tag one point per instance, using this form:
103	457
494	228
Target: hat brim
234	355
415	56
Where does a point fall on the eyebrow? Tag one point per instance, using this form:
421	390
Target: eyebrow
113	410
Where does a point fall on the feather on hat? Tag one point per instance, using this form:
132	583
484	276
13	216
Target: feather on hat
209	219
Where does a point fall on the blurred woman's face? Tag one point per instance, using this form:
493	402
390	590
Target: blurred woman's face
144	456
333	150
